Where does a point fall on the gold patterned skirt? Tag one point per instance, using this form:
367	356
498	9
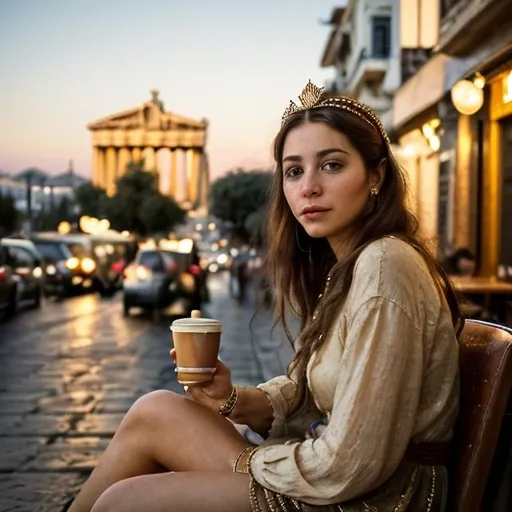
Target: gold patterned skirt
412	488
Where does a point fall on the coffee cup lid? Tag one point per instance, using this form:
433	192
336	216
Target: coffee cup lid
196	325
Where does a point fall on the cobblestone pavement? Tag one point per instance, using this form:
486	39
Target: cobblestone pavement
69	372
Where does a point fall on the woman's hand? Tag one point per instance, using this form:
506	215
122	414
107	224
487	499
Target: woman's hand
213	393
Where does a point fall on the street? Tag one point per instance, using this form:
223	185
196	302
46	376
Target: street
71	370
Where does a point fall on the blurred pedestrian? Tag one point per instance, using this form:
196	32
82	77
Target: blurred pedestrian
460	262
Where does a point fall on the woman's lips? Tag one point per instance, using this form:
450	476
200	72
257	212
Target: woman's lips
315	214
312	212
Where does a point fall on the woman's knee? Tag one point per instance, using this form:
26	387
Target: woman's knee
151	408
114	498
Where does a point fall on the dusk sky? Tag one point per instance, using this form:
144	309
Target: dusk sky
65	63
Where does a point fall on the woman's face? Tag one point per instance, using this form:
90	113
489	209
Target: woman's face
325	181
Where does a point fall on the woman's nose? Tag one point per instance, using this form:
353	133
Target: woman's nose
310	186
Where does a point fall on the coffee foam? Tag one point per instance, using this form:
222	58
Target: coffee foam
201	325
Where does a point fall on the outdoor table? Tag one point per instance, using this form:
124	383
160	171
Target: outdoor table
489	287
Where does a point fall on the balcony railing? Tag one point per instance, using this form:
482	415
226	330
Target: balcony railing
465	23
366	62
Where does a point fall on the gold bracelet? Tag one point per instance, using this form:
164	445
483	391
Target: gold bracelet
227	408
243	460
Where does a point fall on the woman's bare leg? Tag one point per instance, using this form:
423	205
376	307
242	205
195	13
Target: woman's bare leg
178	492
163	431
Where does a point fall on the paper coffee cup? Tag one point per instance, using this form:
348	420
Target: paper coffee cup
197	342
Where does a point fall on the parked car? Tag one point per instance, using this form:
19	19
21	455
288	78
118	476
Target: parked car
82	261
7	286
27	267
159	277
65	272
111	253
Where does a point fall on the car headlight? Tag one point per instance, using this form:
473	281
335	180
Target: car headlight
88	265
72	263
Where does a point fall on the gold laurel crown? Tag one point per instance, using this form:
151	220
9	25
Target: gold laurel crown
312	96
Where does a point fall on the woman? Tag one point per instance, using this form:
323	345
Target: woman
363	418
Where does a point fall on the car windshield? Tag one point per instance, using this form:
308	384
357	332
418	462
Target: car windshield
77	250
53	251
152	260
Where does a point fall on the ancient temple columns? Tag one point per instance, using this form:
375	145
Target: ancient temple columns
183	171
145	132
124	158
173	174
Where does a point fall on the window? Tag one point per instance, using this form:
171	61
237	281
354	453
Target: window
20	258
53	251
381	36
152	260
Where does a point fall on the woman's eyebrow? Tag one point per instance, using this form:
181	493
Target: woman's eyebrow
320	154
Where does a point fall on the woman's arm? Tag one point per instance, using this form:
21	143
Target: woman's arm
373	417
253	409
265	408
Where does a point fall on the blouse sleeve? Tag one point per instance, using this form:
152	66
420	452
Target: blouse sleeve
375	404
280	392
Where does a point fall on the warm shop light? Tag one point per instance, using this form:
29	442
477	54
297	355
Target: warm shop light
466	97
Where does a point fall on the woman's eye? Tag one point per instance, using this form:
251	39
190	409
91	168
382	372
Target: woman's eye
292	172
332	166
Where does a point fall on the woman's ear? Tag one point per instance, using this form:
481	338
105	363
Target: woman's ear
379	174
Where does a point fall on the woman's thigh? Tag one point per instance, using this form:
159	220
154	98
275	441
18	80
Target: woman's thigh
182	435
178	492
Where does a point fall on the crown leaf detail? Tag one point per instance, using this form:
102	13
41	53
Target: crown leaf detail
311	95
290	110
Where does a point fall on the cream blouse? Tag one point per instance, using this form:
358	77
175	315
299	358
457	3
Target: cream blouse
387	376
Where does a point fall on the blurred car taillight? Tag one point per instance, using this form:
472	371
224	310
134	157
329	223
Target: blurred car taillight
195	270
118	266
3	273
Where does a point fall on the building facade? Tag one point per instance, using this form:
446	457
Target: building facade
453	119
477	35
371	64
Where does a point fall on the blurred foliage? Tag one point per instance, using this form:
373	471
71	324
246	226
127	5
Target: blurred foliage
240	197
9	216
92	200
137	206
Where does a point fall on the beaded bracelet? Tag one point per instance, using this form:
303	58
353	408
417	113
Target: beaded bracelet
227	408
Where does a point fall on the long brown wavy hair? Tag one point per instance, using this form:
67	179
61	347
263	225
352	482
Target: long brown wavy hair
298	264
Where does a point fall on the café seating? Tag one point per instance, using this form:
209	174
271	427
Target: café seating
477	467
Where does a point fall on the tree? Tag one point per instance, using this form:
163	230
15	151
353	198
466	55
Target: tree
9	216
92	200
159	214
240	197
139	207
